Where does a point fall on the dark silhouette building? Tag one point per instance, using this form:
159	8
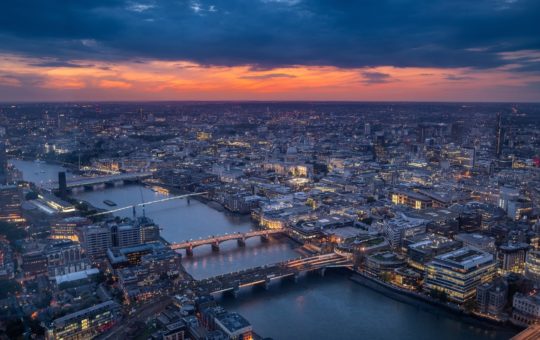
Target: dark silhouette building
62	184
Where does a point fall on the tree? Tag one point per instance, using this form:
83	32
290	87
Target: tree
11	232
8	287
32	195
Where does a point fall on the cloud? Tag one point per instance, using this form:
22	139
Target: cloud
372	78
109	84
268	76
139	7
268	34
455	77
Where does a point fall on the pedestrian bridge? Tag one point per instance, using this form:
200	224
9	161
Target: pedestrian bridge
215	241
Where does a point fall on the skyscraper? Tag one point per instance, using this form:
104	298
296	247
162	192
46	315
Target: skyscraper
500	136
62	184
3	163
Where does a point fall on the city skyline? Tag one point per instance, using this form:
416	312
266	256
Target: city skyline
271	50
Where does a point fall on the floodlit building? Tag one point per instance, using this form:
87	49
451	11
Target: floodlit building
86	323
459	272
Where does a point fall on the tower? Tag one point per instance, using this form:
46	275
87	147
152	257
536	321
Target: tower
499	136
3	163
62	184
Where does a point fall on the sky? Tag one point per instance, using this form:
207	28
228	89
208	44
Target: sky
365	50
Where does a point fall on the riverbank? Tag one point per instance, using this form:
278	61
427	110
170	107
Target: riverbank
423	302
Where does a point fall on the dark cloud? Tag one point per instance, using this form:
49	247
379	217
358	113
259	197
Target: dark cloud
269	33
269	76
59	63
457	77
371	78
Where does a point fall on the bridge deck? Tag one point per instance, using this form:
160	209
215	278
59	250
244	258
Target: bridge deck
82	181
223	238
265	274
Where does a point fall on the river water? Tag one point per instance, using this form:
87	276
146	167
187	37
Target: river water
330	307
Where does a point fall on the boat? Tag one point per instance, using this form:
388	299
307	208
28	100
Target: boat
109	203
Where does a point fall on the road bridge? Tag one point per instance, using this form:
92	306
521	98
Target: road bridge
215	241
264	275
98	181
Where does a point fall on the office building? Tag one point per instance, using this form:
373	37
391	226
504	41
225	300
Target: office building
532	266
3	164
511	257
459	273
64	257
491	297
478	241
11	199
526	309
425	247
97	239
402	227
86	323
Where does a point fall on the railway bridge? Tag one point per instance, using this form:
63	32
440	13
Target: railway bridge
264	275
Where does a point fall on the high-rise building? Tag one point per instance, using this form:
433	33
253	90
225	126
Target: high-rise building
499	136
62	184
97	239
3	163
10	204
459	272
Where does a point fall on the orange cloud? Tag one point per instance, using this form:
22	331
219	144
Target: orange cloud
112	84
180	80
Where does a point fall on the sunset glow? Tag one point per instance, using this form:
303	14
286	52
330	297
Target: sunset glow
181	80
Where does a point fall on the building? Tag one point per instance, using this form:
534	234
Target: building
11	199
125	235
532	265
412	199
425	247
86	323
491	297
64	257
478	241
383	263
511	257
526	309
96	240
3	164
499	136
403	227
459	272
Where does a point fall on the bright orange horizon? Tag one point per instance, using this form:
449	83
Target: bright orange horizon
182	80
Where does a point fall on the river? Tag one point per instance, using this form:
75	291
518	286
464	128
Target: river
329	307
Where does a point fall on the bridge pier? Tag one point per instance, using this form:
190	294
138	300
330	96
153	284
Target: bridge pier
98	186
322	271
215	247
189	251
265	238
241	242
296	277
267	283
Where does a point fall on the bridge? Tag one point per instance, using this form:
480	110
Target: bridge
144	204
264	275
215	241
98	181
